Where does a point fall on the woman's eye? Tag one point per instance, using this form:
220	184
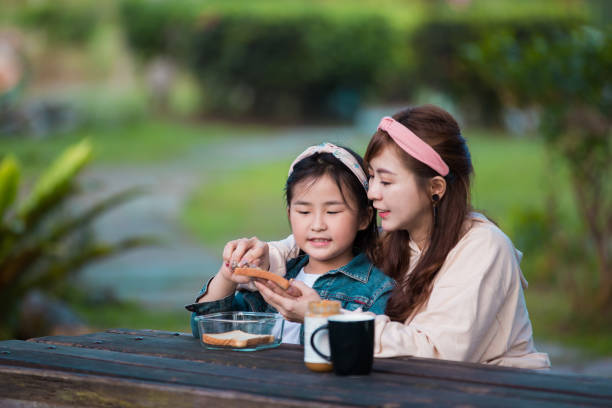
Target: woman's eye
385	183
333	212
303	212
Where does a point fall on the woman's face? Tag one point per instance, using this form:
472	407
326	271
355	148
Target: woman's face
401	202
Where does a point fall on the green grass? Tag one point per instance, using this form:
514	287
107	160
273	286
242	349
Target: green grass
244	203
553	320
141	143
133	316
516	174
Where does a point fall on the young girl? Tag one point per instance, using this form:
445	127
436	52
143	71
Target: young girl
459	293
333	224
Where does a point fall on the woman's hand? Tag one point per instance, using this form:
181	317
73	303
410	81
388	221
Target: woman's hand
293	303
246	251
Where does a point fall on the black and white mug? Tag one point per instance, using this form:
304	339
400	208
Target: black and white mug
351	343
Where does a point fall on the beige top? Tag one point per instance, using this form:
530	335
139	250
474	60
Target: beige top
476	311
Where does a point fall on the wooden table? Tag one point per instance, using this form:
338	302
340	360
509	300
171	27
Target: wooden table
162	369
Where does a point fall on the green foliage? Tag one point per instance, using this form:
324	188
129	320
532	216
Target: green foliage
68	21
566	77
294	67
42	243
55	182
160	27
317	58
440	46
9	181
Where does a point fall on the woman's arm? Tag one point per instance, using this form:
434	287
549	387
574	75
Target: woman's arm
475	294
280	252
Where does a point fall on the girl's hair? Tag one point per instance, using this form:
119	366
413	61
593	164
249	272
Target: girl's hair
438	129
355	196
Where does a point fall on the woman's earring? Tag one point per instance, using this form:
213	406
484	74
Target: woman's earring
435	199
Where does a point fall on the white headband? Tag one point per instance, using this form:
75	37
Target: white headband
339	153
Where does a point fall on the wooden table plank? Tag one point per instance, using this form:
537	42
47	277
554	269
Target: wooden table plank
23	387
168	344
275	382
258	382
309	387
186	348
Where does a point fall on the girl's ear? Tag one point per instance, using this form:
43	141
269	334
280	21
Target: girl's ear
365	220
437	185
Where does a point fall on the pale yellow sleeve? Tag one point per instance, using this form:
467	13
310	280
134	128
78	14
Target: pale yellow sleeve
280	253
461	317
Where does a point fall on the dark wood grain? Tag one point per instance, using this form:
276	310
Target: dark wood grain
153	368
289	359
308	387
24	387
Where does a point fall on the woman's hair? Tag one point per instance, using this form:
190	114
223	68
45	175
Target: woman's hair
321	164
437	128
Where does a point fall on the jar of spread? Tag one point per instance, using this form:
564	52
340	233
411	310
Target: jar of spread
317	315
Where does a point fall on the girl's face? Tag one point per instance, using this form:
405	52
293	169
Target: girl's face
323	224
401	202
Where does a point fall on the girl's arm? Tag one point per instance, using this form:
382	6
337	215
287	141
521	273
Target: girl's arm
476	311
381	297
222	285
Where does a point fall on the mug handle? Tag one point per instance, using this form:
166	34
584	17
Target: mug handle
312	337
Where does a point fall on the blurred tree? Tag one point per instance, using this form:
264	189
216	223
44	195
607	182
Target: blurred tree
566	77
66	21
41	245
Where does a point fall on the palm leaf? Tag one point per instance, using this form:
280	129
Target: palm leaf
94	252
55	182
92	213
9	181
16	266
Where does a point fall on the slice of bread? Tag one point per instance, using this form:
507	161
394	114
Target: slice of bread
237	339
260	273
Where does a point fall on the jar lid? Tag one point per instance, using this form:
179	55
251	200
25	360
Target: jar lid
324	307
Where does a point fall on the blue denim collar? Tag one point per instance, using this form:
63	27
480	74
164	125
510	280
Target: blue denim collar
359	268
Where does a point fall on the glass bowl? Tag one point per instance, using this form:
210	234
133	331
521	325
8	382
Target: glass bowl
240	331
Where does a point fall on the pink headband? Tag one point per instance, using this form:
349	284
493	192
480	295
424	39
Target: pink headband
339	153
413	145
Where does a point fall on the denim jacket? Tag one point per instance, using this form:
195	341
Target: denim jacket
358	284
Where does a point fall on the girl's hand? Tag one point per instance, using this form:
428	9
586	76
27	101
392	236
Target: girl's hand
246	251
293	308
227	274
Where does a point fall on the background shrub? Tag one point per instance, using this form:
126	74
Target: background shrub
308	61
440	46
295	67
